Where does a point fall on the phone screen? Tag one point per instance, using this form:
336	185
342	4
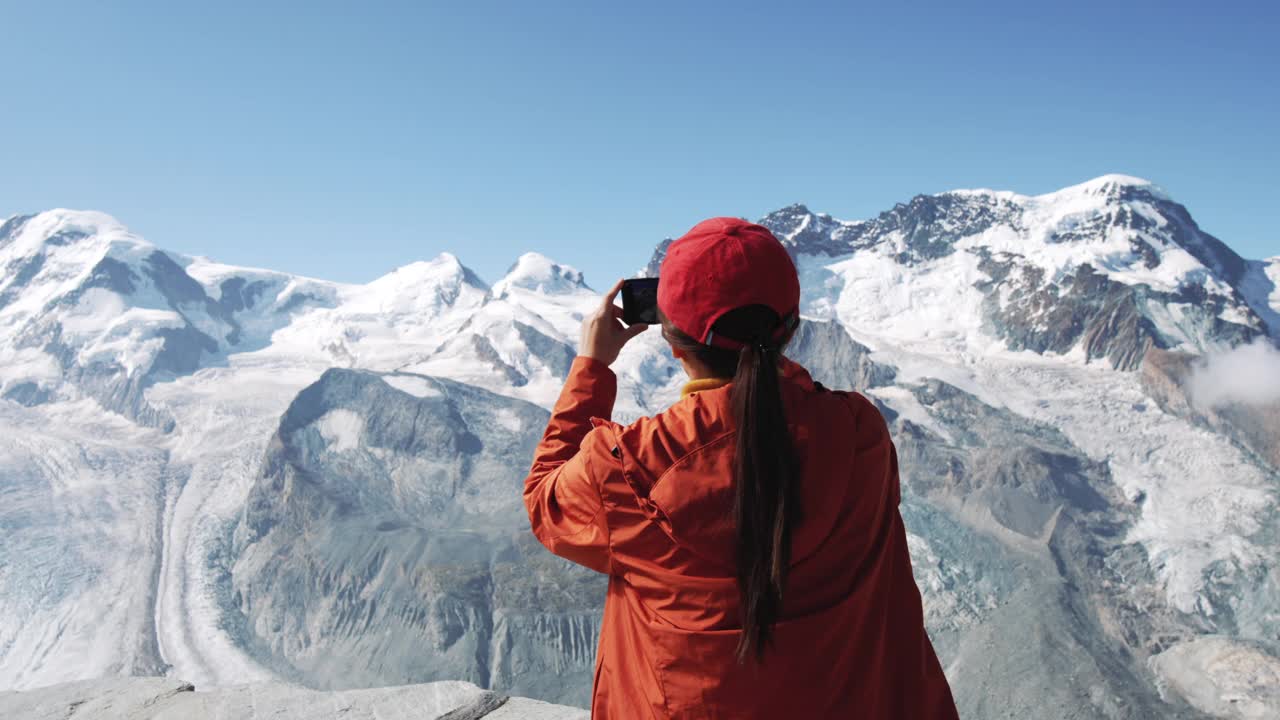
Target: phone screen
640	301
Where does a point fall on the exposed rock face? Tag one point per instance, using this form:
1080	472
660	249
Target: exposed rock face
929	225
386	542
1109	319
1164	376
1224	678
555	355
833	358
487	354
655	261
154	698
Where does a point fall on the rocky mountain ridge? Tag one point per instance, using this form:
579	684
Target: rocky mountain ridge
1111	267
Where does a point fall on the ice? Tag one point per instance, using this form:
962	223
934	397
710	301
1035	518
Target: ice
1261	289
412	384
1187	524
935	307
509	421
341	429
28	365
901	401
226	415
83	495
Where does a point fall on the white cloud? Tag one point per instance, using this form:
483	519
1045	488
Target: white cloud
1248	374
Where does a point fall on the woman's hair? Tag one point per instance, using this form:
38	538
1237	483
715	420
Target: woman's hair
766	471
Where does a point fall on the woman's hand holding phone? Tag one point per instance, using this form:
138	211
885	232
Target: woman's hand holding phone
603	333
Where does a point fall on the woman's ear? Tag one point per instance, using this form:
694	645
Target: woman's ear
677	353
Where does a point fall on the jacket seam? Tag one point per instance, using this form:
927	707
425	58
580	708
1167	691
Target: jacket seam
608	532
586	460
598	486
848	403
717	440
585	526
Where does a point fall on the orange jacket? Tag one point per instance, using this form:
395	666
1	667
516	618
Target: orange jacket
650	505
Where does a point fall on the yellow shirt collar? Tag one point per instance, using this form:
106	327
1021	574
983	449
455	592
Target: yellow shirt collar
701	384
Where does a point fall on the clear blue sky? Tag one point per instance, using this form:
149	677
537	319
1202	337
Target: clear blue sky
341	140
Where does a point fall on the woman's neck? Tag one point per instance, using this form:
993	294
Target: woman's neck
695	370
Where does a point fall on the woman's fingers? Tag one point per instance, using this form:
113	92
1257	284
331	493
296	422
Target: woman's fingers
612	294
603	333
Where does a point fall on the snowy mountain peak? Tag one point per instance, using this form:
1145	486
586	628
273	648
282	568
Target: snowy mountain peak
539	273
788	221
805	232
1111	186
60	253
1107	188
444	270
60	227
794	212
423	289
53	252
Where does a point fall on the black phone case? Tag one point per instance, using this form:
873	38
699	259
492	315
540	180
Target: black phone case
640	301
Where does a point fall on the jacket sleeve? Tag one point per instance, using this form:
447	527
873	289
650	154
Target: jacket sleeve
562	492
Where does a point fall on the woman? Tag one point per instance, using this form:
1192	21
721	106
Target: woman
757	561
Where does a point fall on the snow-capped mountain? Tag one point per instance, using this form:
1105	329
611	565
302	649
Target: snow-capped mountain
85	303
1107	268
233	475
524	338
540	275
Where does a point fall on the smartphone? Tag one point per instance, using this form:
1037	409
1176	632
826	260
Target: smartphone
640	301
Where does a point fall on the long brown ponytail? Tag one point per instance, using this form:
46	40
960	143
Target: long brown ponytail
766	471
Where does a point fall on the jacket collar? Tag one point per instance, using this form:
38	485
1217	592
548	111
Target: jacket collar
701	384
786	367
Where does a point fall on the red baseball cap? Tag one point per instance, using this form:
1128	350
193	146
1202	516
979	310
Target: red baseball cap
723	264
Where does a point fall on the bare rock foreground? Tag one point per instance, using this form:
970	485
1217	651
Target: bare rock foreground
158	698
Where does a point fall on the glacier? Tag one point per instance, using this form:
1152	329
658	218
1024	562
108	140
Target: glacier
241	477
